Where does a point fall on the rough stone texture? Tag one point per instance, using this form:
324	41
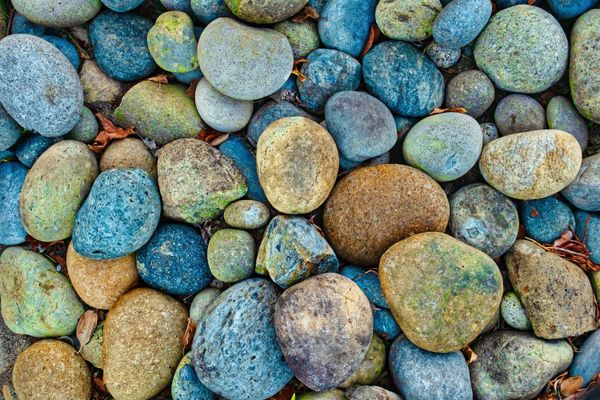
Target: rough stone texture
231	254
100	283
10	131
58	15
333	394
516	365
142	344
51	370
297	164
122	5
172	42
557	295
513	312
584	191
86	129
519	113
371	367
186	385
545	220
370	393
561	115
459	23
442	292
266	11
12	177
220	111
128	153
374	207
408	20
196	180
11	345
472	90
442	56
588	230
246	214
490	132
236	353
531	165
92	351
303	36
97	86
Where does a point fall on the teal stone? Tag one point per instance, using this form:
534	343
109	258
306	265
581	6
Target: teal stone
231	254
546	219
172	42
562	115
10	131
186	385
303	36
12	177
513	312
86	129
588	230
584	191
459	22
36	299
471	90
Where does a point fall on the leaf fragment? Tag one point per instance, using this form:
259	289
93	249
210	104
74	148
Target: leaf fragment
306	13
188	335
374	34
461	110
191	90
162	79
109	133
470	355
85	327
571	385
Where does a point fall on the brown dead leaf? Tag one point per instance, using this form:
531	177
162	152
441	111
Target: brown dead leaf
306	13
571	385
191	90
188	335
531	2
470	355
210	135
287	393
218	140
534	213
374	34
85	327
296	69
99	384
461	110
109	133
163	79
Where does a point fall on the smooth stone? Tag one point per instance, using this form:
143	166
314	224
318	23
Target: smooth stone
86	128
303	36
58	15
566	9
561	115
344	25
238	151
410	21
586	362
445	146
333	394
461	21
31	147
501	4
368	282
119	42
119	216
172	42
201	303
490	132
401	201
269	113
442	56
163	113
513	312
297	164
55	189
142	344
557	295
65	47
20	24
197	181
51	370
128	153
441	291
385	325
371	367
242	61
12	177
36	299
122	5
186	385
236	353
231	254
99	283
10	131
177	5
324	327
92	351
220	111
11	345
484	218
401	76
30	68
174	260
534	52
471	90
531	165
188	77
584	191
208	10
361	125
546	219
422	375
265	12
97	86
293	249
583	66
370	393
588	230
516	365
519	113
246	214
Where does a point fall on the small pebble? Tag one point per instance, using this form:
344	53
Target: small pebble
231	254
471	90
519	113
546	219
246	214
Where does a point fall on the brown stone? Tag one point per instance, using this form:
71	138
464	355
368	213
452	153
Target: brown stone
374	207
128	153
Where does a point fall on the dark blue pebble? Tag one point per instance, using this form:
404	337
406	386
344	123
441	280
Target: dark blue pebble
509	3
174	260
188	77
588	230
236	149
587	361
10	131
65	47
290	85
369	283
352	271
208	10
268	114
12	177
20	24
122	5
566	9
178	5
7	155
461	21
546	219
403	124
186	385
385	325
30	147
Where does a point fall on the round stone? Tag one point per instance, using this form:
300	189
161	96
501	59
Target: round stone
561	115
236	148
490	132
12	177
128	153
303	36
471	90
407	20
519	113
513	312
584	191
172	42
202	301
186	385
265	12
546	219
220	111
231	254
459	23
58	15
86	129
442	56
246	214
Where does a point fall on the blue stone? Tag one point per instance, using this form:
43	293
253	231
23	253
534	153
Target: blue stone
236	149
407	81
174	260
119	215
7	155
584	191
119	41
546	219
186	385
509	3
236	352
345	24
327	72
369	283
290	85
586	362
461	21
317	5
20	24
10	131
423	375
352	271
208	10
178	5
385	325
587	228
188	77
346	164
30	147
268	114
403	124
566	9
122	5
12	177
66	48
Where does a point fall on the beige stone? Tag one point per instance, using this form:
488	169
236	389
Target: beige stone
128	153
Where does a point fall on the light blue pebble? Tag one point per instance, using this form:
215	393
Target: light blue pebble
566	9
10	131
186	385
12	177
20	24
209	10
269	113
65	47
588	230
461	21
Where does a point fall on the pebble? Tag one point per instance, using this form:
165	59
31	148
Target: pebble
86	128
142	343
401	201
10	131
326	311
119	216
220	111
445	146
484	218
361	125
297	163
197	181
20	24
461	21
292	249
534	51
128	153
422	375
231	254
36	299
92	351
174	260
368	282
407	20
531	165
55	189
269	113
246	214
561	115
490	132
186	385
557	295
333	394
519	113
58	15
51	370
31	147
471	90
237	150
546	219
371	367
236	352
188	77
201	303
242	61
513	312
208	10
12	177
385	325
122	5
177	5
265	12
401	76
97	86
99	283
370	393
566	9
11	345
584	191
586	362
516	365
172	42
65	47
29	70
303	36
588	227
442	56
344	25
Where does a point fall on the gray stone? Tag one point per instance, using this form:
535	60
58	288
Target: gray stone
60	14
220	111
519	113
472	90
561	114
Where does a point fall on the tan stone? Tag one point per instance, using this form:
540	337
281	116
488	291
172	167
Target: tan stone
128	153
97	86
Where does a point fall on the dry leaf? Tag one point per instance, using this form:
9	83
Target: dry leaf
191	90
210	135
164	79
82	53
86	326
54	250
99	384
218	140
531	2
470	355
188	335
109	133
461	110
571	385
374	34
306	13
534	213
296	69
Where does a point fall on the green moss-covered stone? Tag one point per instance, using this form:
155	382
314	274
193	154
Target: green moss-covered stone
231	255
303	36
160	112
441	291
86	129
408	20
513	312
371	366
265	11
172	42
36	299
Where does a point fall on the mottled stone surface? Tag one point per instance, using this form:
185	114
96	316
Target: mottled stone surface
471	90
344	25
186	385
246	214
303	36
372	365
92	351
128	153
238	150
586	362
122	5
97	86
209	10
11	345
231	254
12	177
220	111
519	113
172	42
584	191
31	147
442	56
201	303
588	230
459	23
545	220
513	312
10	131
265	12
408	20
86	128
58	15
561	115
333	394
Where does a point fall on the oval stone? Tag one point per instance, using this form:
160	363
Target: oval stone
31	147
246	214
220	111
513	312
58	15
269	113
97	85
86	129
10	131
12	177
519	113
344	25
584	191
231	254
208	10
128	153
303	36
371	367
545	220
122	5
461	21
172	42
587	361
407	20
202	302
266	11
471	90
561	115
